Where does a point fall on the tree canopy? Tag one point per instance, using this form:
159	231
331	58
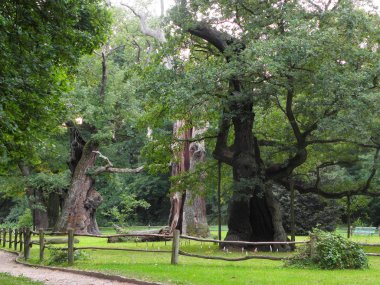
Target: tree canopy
41	42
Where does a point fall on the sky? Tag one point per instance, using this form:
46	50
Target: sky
155	8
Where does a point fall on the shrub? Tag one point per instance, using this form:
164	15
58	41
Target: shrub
330	251
59	256
26	219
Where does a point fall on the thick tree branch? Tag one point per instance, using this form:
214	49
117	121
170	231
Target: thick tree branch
327	141
290	115
203	30
157	34
317	189
109	167
196	139
103	169
222	152
109	163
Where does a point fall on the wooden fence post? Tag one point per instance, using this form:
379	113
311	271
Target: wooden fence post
16	239
4	236
21	233
70	247
10	238
27	243
42	244
175	247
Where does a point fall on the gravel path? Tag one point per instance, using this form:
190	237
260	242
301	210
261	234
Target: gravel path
47	276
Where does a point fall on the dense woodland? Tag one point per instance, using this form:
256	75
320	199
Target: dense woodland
114	115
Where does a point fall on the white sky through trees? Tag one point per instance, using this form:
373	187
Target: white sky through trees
155	6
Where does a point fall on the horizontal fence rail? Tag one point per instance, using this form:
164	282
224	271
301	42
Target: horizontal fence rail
243	242
230	259
20	239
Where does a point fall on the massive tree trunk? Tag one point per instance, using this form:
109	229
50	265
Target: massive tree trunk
188	210
181	165
194	214
254	213
82	199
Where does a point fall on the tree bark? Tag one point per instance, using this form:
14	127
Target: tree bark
82	199
53	208
188	209
194	215
254	213
181	165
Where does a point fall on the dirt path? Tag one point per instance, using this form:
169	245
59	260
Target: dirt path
47	276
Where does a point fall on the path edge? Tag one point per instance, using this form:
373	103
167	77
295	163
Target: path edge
95	274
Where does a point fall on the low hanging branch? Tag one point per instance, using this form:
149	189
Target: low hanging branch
109	167
360	190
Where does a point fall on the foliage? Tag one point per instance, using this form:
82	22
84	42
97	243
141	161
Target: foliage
12	186
59	256
330	251
310	211
20	209
26	219
374	212
124	212
49	182
40	45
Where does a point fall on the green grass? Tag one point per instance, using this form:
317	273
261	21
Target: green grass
6	279
157	267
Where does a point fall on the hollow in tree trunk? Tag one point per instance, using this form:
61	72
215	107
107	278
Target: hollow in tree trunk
82	199
254	213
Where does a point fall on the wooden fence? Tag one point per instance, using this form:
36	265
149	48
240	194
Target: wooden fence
20	240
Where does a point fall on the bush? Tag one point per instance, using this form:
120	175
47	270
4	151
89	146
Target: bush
330	251
26	219
59	256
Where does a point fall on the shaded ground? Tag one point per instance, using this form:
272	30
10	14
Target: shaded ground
47	276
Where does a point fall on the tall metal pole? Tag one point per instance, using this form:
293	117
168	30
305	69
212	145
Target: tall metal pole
292	216
219	201
348	216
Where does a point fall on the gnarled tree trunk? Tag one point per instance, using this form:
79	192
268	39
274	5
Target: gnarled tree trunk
181	165
188	210
82	199
194	214
254	213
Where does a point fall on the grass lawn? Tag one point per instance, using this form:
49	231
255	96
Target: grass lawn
6	279
157	267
